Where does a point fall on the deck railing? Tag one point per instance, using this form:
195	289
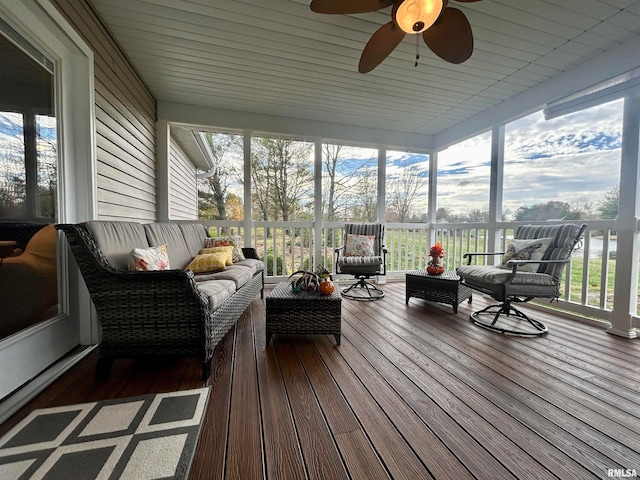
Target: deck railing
587	285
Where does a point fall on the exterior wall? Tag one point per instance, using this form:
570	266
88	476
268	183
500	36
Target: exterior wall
183	189
125	123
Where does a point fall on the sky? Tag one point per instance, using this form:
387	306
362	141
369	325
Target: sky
573	159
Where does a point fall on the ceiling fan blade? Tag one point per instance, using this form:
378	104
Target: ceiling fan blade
348	6
450	37
379	46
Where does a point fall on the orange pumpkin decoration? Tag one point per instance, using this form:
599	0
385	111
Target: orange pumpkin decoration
326	287
434	267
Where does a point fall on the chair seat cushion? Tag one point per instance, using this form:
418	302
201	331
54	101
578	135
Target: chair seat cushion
371	260
478	274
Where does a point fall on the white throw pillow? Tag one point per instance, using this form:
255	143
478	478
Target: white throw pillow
152	258
359	245
526	249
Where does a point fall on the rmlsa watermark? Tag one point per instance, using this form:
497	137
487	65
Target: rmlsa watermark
622	473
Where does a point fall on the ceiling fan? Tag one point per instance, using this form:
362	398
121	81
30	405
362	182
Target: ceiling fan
445	30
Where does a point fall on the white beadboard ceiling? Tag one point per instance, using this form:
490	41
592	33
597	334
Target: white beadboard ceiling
276	57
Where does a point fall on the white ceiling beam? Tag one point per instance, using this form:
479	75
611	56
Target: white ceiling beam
237	120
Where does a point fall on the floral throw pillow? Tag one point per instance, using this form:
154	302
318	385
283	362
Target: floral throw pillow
225	248
232	240
208	262
152	258
359	245
531	249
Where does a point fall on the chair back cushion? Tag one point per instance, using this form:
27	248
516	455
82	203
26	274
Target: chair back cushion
374	229
562	243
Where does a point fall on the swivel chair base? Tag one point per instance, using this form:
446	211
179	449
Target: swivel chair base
362	290
488	317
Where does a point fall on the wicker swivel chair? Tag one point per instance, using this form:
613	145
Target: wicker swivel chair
531	268
363	255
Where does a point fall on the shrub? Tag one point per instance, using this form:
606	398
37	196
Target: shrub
279	264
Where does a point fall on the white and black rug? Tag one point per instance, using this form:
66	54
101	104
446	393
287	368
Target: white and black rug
148	437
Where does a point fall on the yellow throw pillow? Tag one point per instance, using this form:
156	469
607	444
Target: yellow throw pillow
228	249
209	262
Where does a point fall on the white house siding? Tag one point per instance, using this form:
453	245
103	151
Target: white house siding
125	124
183	193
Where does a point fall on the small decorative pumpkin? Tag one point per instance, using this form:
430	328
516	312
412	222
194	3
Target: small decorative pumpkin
435	269
326	286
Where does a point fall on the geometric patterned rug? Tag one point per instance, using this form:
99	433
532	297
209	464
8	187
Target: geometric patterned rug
147	437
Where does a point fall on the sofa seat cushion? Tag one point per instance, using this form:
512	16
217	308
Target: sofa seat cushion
217	291
253	264
238	274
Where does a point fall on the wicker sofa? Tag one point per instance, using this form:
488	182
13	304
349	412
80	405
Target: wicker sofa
159	313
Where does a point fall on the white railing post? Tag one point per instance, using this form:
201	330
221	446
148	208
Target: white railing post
317	203
247	189
495	190
626	286
433	197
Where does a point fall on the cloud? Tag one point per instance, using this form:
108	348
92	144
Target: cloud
566	159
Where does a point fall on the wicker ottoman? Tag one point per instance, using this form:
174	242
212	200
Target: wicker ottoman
445	288
303	312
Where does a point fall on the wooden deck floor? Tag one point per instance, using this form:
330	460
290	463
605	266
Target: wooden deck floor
413	392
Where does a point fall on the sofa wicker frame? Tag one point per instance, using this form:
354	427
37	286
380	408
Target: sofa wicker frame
154	313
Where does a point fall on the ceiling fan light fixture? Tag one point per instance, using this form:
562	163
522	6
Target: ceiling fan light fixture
415	16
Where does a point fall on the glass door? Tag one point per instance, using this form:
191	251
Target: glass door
33	331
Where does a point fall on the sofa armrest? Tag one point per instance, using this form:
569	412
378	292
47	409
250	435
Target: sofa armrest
250	252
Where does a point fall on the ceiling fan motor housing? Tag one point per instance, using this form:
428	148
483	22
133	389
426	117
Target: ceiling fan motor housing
415	16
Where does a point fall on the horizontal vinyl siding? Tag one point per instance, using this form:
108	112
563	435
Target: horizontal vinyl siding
125	124
183	190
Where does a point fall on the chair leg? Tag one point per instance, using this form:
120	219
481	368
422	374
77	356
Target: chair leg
506	308
372	292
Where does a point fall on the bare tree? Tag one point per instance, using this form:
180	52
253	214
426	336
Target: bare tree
349	185
282	177
403	190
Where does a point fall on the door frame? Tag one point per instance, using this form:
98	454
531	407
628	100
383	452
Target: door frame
33	351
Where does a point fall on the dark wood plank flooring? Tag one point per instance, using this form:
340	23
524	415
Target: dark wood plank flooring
413	392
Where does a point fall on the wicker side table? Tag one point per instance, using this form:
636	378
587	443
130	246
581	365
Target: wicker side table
445	288
303	312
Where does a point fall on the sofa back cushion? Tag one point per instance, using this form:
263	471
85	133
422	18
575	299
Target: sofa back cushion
169	234
194	235
117	239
